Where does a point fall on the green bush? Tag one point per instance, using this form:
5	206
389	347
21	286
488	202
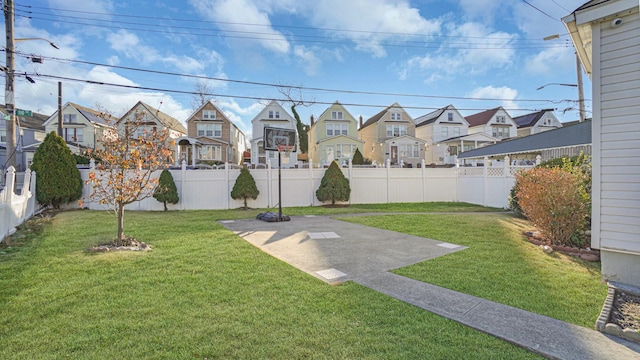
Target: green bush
334	186
358	159
245	187
58	180
166	191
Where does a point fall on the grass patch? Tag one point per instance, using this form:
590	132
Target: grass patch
202	293
500	265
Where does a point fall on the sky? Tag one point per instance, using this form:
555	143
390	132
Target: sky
366	54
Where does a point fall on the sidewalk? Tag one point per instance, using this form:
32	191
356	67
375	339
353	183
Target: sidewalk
338	251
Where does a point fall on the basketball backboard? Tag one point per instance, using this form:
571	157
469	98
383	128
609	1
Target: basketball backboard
278	136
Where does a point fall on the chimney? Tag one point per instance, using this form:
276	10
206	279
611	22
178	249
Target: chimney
311	120
360	121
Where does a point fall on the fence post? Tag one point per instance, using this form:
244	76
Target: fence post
486	180
10	194
350	168
506	174
269	189
457	180
311	192
424	183
388	179
538	160
227	185
183	175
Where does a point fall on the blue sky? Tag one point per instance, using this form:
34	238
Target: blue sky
474	54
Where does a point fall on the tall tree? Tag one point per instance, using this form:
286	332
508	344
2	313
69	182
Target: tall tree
58	180
303	129
127	171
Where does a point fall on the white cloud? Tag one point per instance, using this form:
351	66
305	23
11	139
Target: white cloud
551	61
233	17
307	57
508	94
97	6
470	48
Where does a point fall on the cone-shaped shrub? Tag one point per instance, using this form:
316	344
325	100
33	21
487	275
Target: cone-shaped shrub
166	192
245	187
358	159
58	179
334	186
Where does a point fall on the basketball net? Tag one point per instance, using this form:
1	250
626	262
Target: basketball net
285	153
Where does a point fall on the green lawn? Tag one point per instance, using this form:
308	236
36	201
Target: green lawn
500	265
205	293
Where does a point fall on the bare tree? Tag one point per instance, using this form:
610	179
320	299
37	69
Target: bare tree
296	100
201	94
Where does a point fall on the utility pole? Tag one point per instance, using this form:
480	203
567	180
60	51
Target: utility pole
9	95
60	110
580	89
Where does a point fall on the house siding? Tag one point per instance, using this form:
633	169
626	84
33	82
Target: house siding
618	135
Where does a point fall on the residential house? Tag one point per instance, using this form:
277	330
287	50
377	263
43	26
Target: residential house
537	122
570	140
606	37
273	115
446	135
29	134
152	119
496	123
390	135
211	137
333	136
82	128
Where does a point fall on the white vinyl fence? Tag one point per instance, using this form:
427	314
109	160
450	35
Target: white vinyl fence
15	207
211	189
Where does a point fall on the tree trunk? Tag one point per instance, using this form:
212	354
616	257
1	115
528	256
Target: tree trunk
120	238
165	205
245	203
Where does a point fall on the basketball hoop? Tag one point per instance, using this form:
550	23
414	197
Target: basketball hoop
285	153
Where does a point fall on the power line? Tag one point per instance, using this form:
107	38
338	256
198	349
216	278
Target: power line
551	17
258	98
275	26
245	82
278	37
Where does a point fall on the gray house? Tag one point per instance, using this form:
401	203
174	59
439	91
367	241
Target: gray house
29	134
606	36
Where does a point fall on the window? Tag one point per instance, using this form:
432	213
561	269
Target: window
501	120
3	136
444	132
69	118
453	150
396	116
337	129
409	150
450	116
396	130
500	132
211	130
208	114
210	153
344	151
336	115
274	114
456	131
73	135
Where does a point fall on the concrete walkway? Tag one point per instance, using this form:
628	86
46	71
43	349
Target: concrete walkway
337	251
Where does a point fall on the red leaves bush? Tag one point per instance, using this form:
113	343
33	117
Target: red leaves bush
556	201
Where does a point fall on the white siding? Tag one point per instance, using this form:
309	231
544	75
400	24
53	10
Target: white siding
618	134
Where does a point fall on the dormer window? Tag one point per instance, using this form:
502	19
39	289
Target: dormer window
274	114
208	114
70	118
449	116
501	119
396	116
336	115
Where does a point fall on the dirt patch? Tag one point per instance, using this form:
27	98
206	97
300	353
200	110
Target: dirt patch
128	244
586	253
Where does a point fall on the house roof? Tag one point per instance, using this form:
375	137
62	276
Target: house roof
482	118
346	137
430	117
529	119
375	118
577	134
479	136
35	121
166	120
